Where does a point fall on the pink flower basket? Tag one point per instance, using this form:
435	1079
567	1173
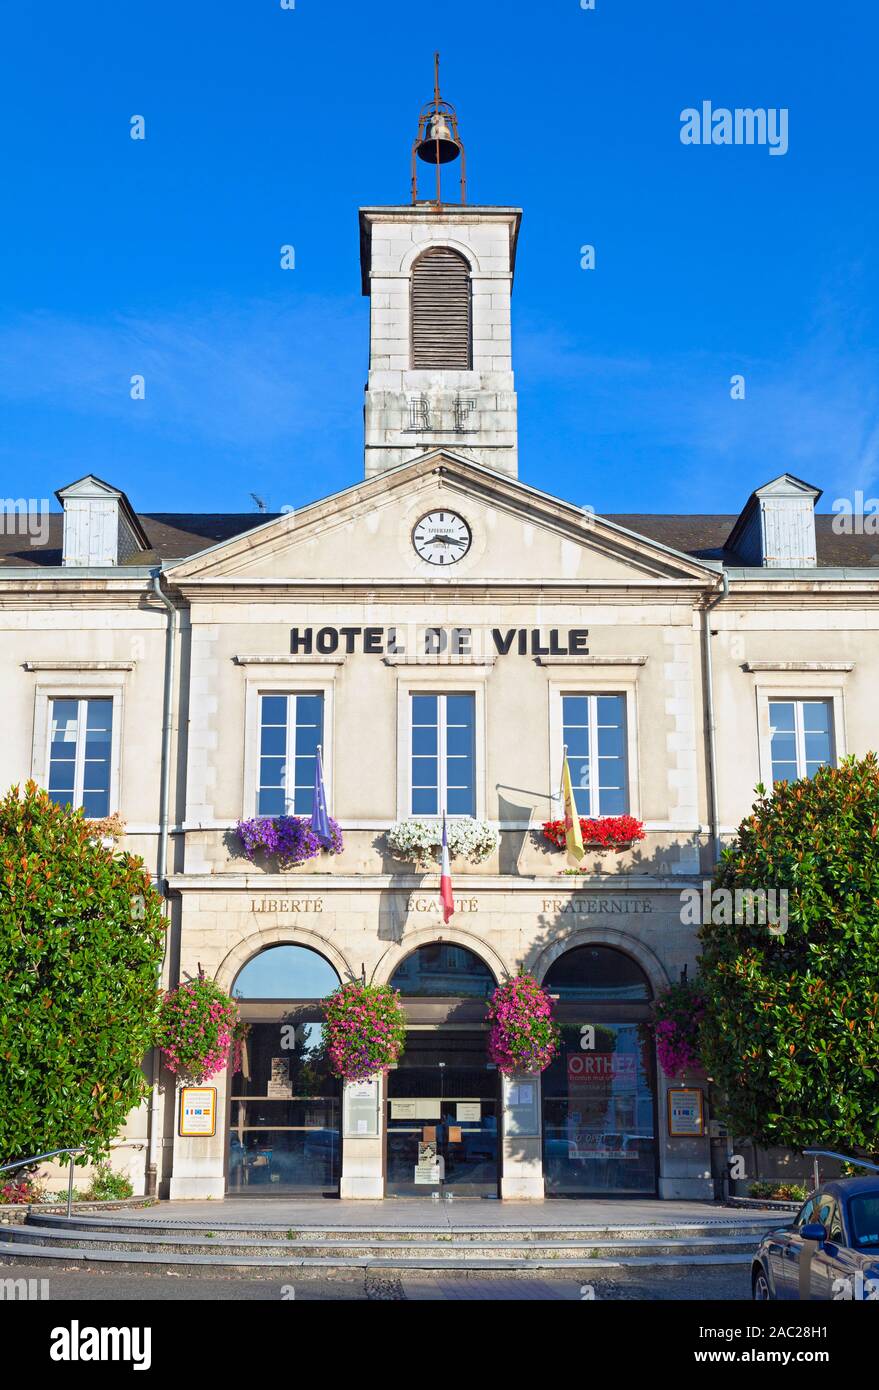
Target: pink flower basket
524	1036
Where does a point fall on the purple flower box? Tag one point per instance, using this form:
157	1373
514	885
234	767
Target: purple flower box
289	839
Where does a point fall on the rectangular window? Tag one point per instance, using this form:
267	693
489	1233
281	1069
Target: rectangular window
80	747
801	738
290	729
594	730
443	758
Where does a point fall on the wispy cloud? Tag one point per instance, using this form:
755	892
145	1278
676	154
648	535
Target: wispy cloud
239	374
814	413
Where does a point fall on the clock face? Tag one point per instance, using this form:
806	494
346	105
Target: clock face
441	538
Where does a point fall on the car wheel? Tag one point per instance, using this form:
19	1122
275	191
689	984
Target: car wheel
760	1290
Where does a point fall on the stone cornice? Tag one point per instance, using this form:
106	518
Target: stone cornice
798	666
465	884
659	591
49	665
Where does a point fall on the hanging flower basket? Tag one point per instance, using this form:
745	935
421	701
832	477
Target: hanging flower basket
240	1033
674	1027
197	1029
289	839
524	1036
421	840
364	1030
607	832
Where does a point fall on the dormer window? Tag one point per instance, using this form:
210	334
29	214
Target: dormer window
100	526
441	328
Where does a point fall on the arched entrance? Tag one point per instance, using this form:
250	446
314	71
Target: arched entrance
599	1110
285	1106
443	1097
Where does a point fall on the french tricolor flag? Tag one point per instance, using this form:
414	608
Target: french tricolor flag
446	898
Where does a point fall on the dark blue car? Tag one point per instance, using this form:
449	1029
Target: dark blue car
829	1252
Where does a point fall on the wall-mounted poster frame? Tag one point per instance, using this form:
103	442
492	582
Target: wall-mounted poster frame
686	1112
522	1105
198	1112
361	1109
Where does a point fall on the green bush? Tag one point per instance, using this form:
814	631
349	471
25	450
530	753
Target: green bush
107	1186
81	933
791	1033
778	1191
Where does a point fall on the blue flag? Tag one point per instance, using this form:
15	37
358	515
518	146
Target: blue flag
320	820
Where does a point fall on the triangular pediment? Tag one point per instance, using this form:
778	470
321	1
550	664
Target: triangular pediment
365	535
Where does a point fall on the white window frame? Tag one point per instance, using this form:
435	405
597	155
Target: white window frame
454	681
255	688
442	769
290	728
40	761
767	693
627	689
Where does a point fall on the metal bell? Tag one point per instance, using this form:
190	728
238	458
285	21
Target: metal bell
439	145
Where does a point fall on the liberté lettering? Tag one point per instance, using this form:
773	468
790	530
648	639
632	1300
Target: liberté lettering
431	641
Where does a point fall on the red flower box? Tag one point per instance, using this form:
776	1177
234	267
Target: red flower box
608	832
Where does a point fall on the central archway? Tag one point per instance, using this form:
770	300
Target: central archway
284	1129
443	1097
442	969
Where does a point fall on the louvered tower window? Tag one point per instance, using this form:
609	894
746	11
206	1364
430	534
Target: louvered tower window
441	311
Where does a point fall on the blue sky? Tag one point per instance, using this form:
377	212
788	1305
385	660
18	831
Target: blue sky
267	126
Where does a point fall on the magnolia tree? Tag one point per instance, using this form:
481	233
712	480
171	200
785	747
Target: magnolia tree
791	1031
81	934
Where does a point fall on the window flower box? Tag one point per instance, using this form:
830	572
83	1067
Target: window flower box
420	841
289	839
605	833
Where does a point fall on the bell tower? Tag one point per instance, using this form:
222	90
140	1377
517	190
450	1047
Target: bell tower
439	276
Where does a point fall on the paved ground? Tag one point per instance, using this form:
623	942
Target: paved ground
416	1211
708	1285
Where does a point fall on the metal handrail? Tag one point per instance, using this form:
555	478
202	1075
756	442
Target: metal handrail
37	1158
841	1158
56	1153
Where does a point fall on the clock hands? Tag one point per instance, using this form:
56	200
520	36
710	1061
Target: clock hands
436	539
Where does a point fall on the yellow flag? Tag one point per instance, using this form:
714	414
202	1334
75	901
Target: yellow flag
573	833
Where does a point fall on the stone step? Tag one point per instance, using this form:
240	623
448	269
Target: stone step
526	1235
53	1256
441	1248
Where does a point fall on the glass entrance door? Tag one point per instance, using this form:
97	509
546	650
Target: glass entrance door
443	1117
285	1134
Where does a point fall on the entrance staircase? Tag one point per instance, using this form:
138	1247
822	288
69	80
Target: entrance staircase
315	1250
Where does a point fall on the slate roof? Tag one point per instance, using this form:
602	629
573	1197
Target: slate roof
176	535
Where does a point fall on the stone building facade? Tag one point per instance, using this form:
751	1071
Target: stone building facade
443	630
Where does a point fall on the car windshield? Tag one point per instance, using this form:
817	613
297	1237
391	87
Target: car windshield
864	1221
